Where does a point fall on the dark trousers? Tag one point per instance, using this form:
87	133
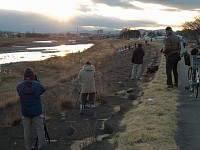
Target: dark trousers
169	69
184	44
84	97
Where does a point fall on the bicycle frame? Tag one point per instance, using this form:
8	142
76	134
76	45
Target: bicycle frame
193	78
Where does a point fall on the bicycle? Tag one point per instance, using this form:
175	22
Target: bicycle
194	75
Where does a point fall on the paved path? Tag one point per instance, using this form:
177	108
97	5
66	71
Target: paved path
188	136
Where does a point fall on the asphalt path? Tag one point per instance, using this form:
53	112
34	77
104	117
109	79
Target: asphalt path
188	135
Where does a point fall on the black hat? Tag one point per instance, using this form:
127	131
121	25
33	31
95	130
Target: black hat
88	63
139	44
168	28
29	74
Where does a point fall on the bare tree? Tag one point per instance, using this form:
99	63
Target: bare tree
128	33
123	32
192	29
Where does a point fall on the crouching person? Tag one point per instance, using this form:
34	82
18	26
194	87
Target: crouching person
87	80
29	91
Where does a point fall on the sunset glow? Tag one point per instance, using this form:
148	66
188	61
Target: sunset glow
63	11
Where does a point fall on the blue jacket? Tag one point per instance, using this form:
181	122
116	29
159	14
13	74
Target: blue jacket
30	92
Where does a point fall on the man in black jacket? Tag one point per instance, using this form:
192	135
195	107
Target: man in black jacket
172	47
137	60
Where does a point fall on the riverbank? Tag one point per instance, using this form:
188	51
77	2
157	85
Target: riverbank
28	41
8	45
55	71
117	122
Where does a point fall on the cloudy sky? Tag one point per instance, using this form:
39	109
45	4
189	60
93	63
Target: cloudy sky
69	15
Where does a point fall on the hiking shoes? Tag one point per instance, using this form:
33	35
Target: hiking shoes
169	86
176	85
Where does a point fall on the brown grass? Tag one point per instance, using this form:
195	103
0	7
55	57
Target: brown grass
152	124
56	74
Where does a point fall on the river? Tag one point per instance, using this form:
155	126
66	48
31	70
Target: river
22	53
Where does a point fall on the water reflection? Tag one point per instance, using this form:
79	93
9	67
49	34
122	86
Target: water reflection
52	41
41	53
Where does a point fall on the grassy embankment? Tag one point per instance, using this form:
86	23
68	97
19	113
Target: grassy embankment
152	125
55	74
16	41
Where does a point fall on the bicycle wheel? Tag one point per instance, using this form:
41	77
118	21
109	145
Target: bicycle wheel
190	79
195	90
195	85
189	74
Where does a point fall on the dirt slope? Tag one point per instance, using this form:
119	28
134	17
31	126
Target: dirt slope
92	131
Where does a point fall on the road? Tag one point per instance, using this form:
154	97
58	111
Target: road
188	135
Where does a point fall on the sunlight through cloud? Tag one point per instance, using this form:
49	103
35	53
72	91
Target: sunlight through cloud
66	10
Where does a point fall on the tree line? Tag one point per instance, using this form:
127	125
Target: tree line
191	29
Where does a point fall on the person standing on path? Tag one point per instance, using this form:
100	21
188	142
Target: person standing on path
184	42
86	78
194	50
137	60
30	91
172	47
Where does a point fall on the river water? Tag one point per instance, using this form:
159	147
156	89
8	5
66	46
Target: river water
39	53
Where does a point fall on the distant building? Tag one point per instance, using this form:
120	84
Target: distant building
130	34
82	35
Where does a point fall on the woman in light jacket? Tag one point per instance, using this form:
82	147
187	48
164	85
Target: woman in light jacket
87	80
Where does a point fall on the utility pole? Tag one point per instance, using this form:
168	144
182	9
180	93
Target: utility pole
33	30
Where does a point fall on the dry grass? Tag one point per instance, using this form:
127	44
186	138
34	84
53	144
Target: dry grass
15	41
152	124
56	73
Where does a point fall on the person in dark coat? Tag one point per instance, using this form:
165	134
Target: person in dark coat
184	42
30	91
172	47
194	50
137	60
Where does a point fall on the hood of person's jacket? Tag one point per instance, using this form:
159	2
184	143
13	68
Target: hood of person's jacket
29	87
88	68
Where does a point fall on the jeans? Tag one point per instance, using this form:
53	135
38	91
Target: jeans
169	69
136	71
85	95
30	125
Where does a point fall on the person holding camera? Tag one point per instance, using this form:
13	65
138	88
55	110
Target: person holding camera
171	50
86	78
30	91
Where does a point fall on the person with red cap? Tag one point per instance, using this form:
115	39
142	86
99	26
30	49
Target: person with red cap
30	91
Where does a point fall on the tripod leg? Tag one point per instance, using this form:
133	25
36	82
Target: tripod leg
45	130
81	107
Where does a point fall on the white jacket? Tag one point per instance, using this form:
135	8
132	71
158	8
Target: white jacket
87	79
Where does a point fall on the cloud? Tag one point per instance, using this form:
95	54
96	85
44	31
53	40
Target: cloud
27	22
116	3
106	14
109	23
180	4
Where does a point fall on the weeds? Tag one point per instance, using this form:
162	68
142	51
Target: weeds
153	123
56	74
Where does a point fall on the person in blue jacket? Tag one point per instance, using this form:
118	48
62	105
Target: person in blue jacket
30	91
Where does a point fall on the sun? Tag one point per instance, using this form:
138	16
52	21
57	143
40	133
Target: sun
62	11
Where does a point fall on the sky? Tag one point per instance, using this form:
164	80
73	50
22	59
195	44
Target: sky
53	16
